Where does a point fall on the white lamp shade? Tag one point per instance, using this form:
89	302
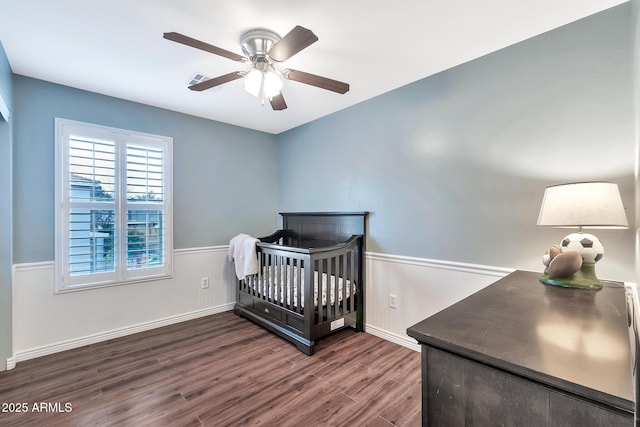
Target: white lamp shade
583	204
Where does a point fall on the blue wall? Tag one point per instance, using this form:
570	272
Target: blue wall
224	176
454	166
6	250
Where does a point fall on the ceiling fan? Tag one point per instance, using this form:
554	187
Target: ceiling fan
264	49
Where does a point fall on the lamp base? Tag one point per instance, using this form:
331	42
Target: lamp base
585	278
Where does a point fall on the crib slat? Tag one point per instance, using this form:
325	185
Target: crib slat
269	278
261	263
258	277
273	277
352	276
325	291
277	292
290	285
274	271
299	286
264	274
276	284
322	285
286	285
283	280
326	280
345	283
334	291
319	285
265	277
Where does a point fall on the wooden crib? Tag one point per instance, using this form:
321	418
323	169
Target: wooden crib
310	279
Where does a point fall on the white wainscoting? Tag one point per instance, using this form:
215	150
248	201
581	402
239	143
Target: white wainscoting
46	323
422	287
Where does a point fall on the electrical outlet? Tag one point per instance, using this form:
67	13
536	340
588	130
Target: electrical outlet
393	301
204	282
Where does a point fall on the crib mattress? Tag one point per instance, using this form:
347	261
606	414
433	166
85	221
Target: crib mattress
276	282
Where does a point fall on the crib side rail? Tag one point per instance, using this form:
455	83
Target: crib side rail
324	250
274	237
279	278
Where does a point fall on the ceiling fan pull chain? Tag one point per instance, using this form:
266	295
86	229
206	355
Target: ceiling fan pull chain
262	90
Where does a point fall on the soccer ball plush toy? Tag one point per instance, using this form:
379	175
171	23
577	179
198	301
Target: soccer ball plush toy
587	245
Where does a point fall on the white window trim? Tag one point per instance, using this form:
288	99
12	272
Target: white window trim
121	275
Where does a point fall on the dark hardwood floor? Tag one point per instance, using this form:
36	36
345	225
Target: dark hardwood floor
220	370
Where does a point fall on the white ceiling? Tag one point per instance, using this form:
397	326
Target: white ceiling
115	47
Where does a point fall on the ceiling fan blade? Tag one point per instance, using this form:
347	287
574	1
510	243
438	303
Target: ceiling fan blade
317	81
277	102
292	43
216	81
186	40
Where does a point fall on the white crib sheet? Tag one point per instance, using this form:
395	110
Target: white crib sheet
280	280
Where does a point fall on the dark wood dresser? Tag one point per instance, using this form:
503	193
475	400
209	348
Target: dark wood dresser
521	353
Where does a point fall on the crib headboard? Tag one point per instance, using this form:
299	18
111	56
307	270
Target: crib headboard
317	229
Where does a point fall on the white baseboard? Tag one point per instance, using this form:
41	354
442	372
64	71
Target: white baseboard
117	333
407	341
11	363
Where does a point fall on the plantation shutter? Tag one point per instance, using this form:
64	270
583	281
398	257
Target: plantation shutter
145	218
113	190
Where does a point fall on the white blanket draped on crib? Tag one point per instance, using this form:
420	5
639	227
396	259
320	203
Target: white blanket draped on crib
242	251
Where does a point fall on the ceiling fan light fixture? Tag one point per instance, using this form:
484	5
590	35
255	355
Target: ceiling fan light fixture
253	82
272	84
259	83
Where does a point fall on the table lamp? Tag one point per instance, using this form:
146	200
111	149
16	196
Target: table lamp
581	205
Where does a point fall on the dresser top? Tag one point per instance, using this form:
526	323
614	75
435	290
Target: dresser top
571	339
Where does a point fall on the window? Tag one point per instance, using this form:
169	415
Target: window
113	206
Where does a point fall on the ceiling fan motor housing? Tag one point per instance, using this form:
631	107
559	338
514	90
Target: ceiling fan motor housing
256	43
